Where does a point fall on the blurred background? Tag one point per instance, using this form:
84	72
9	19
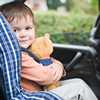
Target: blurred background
67	21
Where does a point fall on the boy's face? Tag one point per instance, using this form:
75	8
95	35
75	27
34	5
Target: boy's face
25	30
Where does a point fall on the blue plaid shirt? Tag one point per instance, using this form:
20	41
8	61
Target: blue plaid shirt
10	65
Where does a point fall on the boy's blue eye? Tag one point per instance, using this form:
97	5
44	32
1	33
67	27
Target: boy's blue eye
28	28
16	29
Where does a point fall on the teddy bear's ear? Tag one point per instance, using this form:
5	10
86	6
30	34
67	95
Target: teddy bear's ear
47	35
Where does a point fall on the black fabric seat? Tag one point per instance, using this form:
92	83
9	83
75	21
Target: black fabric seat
95	42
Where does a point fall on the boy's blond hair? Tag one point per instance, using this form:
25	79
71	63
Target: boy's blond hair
16	9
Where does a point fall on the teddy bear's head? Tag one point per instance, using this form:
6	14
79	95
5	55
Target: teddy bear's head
42	46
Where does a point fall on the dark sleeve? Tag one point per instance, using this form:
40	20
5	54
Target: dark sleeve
10	65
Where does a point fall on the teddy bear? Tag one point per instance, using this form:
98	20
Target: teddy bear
43	48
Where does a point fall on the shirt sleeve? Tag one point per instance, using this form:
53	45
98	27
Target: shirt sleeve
34	71
10	64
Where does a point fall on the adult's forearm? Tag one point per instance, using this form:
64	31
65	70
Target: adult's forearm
10	64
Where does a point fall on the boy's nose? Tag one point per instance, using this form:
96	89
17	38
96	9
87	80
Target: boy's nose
22	34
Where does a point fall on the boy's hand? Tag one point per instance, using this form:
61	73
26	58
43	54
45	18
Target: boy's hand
58	67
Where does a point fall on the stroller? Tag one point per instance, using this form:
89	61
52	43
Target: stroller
83	61
79	61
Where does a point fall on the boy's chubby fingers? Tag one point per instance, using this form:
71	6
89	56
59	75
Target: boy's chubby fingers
58	73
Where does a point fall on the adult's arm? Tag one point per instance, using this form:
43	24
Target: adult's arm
10	65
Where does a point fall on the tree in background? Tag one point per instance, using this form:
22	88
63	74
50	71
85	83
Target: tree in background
95	5
53	4
85	6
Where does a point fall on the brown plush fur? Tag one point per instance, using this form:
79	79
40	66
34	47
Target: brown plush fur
43	48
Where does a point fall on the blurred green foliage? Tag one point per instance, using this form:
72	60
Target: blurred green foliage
85	6
89	6
71	28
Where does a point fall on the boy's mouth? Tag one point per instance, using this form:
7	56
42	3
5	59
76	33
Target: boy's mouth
24	39
24	44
